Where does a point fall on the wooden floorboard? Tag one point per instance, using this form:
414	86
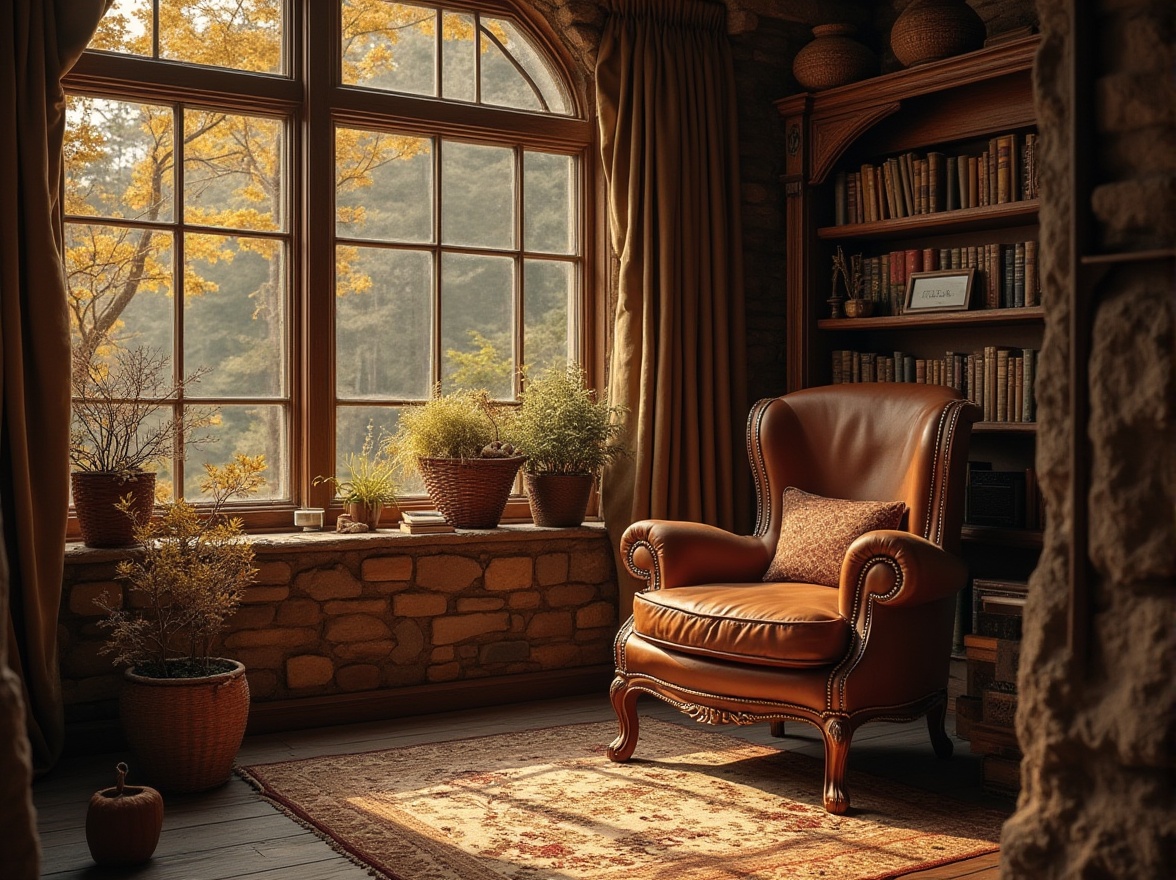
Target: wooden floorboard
231	833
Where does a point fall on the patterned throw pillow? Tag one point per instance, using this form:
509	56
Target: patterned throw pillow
815	532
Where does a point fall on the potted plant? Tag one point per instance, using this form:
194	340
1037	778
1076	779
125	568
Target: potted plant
370	482
183	708
455	442
123	424
567	436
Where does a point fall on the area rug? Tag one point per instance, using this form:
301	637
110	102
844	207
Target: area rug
691	805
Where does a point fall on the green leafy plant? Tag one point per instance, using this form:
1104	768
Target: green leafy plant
371	473
462	424
562	428
123	418
185	579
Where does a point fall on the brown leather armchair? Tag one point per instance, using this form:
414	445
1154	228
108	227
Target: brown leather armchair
709	636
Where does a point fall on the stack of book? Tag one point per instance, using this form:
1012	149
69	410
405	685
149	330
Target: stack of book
423	522
908	184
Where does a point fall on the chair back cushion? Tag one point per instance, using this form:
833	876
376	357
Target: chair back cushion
865	442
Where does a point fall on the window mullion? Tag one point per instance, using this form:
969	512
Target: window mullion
178	278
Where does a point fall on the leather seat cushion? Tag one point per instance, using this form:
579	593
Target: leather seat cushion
769	624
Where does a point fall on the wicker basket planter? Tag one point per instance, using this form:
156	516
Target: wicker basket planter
833	59
928	30
186	731
558	500
471	493
96	492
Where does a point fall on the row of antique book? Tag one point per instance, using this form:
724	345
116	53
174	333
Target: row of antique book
1006	274
999	379
911	184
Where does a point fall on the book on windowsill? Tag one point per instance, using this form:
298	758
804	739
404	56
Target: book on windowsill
423	522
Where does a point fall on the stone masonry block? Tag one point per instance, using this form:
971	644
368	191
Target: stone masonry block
81	598
509	574
597	614
443	655
379	649
466	606
504	652
557	656
356	606
387	568
459	627
551	568
410	642
263	683
328	583
299	612
563	595
550	624
525	600
356	628
309	670
444	672
419	605
270	573
260	595
252	617
591	566
291	637
447	573
260	658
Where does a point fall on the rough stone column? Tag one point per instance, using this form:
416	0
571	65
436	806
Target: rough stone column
1097	788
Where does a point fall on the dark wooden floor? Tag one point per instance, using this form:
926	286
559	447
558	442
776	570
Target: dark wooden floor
232	833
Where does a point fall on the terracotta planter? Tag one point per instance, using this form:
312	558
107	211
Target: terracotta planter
186	731
558	500
123	822
366	512
95	494
471	493
928	30
834	58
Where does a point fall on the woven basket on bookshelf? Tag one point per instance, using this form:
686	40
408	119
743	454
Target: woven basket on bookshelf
928	30
186	731
471	493
95	494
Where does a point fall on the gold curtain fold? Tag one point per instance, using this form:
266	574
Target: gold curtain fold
39	41
669	142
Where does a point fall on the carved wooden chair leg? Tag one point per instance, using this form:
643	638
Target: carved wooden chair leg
777	728
837	733
624	703
940	741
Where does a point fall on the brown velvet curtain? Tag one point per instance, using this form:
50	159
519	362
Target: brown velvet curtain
39	41
666	99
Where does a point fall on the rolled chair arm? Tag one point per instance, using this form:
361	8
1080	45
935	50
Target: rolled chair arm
921	570
668	553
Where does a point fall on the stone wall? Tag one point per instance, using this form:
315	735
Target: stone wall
1097	729
333	614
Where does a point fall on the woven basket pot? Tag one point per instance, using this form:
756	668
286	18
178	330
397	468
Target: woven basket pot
833	59
558	500
186	731
96	492
929	30
471	493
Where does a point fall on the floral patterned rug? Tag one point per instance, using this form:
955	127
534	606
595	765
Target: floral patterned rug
690	805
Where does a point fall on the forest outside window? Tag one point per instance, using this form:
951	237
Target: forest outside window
449	252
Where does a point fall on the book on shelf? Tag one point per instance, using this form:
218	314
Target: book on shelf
424	522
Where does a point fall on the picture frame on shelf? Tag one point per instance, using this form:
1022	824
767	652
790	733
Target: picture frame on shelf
943	291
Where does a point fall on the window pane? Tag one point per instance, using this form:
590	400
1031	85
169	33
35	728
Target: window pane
548	203
238	34
351	423
384	186
477	195
548	296
458	70
120	286
390	46
118	159
383	323
235	314
477	319
245	430
234	170
514	74
125	28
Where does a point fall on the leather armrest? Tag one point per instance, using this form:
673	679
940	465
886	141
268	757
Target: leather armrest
927	571
668	553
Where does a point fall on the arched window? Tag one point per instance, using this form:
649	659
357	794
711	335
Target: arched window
332	206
